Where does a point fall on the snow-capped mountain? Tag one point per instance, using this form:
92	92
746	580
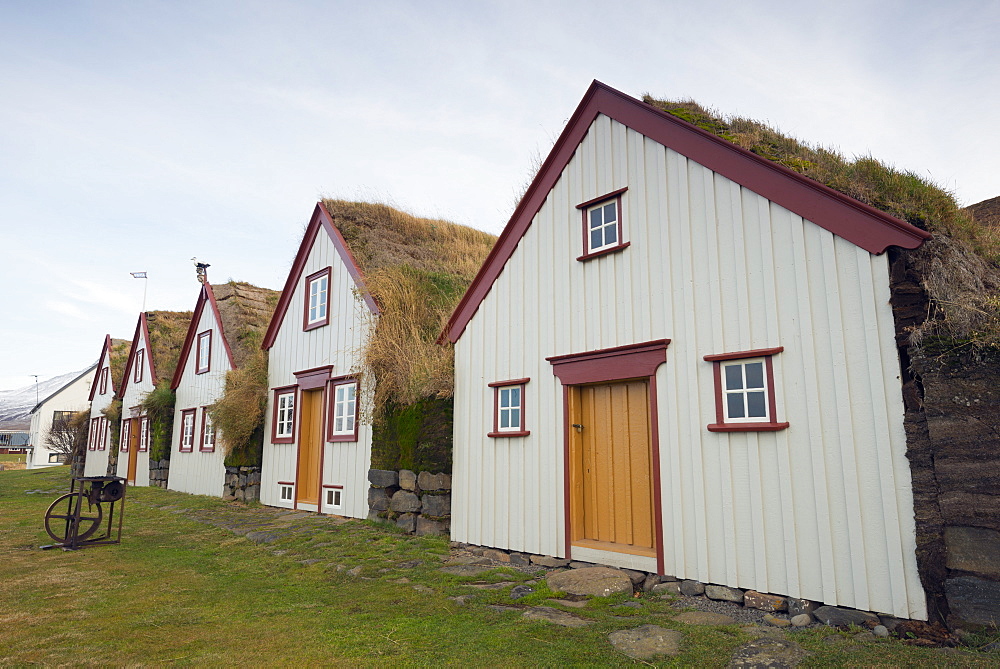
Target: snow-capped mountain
16	405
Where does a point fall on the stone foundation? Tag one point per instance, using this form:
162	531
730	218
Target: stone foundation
159	470
787	611
242	484
418	503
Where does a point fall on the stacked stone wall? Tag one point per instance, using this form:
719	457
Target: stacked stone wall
242	484
952	404
159	471
418	503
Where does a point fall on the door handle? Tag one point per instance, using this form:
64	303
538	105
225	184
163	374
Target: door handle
579	428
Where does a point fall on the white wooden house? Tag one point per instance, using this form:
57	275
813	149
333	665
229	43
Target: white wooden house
211	348
59	405
317	448
679	358
150	360
102	392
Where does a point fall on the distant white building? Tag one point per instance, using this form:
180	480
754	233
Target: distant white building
71	398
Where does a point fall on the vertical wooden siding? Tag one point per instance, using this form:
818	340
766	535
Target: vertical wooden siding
134	394
196	472
338	344
822	510
96	463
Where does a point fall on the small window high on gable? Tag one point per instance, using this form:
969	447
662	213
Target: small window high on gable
317	300
204	359
140	357
603	229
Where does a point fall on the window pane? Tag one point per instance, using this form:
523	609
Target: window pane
504	397
505	418
515	417
610	212
595	218
611	234
734	377
755	374
515	397
595	239
756	405
735	404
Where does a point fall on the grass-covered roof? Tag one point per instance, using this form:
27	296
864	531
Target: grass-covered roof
167	331
245	311
958	266
417	269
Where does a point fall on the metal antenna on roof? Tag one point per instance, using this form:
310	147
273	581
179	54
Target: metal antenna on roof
36	387
145	285
201	268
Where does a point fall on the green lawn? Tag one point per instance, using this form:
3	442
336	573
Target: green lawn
178	591
13	457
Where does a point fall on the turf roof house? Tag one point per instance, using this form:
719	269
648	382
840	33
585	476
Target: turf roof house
151	361
329	340
707	383
316	450
224	334
107	377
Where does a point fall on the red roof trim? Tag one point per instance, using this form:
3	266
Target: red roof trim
106	351
206	294
140	329
869	228
320	218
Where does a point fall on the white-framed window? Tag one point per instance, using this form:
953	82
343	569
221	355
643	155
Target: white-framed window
187	430
286	492
54	457
744	391
343	409
508	408
602	226
317	312
102	439
207	431
140	357
143	434
284	416
104	381
333	498
204	357
125	440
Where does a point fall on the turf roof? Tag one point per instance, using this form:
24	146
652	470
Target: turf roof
167	331
245	311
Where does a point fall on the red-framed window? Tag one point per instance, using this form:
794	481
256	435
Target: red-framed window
126	436
203	356
602	225
744	391
342	410
283	415
102	439
333	497
207	437
316	311
143	434
92	437
140	356
104	381
187	430
508	409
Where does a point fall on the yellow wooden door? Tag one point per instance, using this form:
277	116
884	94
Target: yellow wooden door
611	473
133	448
310	447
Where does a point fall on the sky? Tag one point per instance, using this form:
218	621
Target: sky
137	135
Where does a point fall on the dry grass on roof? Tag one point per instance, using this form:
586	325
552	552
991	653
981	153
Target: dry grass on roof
167	331
117	359
417	269
959	265
245	311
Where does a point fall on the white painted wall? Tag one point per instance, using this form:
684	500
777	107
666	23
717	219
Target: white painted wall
75	396
97	459
339	344
198	472
135	393
822	510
